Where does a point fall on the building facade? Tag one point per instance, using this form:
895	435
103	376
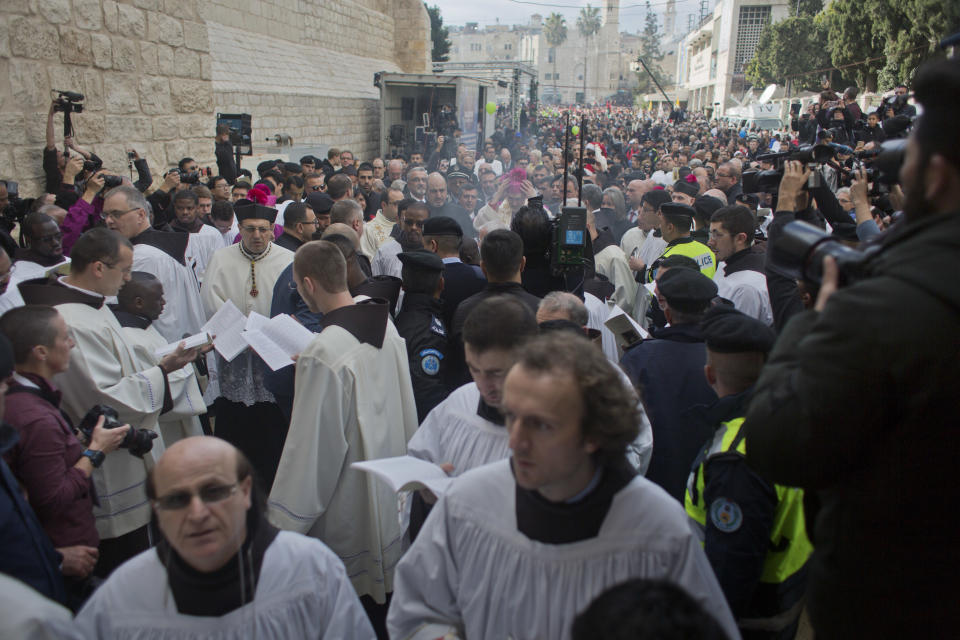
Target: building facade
156	72
712	58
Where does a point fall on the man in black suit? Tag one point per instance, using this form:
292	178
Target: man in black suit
443	235
440	205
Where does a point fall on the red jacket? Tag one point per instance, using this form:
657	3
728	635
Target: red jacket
42	461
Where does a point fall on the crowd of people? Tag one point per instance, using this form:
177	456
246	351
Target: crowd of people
728	406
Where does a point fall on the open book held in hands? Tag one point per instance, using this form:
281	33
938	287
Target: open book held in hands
278	339
201	339
406	473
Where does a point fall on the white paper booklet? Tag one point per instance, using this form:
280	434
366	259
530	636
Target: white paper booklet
196	340
227	324
624	328
278	340
406	473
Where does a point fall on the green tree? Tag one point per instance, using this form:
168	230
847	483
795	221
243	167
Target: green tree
588	24
650	51
439	35
555	32
809	7
795	45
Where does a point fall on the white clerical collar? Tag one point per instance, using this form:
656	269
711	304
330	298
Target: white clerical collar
81	289
23	381
451	260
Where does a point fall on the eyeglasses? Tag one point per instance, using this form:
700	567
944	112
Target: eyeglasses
316	187
718	234
314	221
115	214
256	230
208	495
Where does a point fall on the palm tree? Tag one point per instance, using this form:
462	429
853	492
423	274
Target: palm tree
555	31
588	24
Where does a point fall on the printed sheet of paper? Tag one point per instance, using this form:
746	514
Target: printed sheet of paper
196	340
227	324
255	321
406	473
278	340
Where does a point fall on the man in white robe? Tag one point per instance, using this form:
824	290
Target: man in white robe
220	570
245	273
105	369
517	548
378	231
353	400
411	216
610	262
139	303
204	240
162	254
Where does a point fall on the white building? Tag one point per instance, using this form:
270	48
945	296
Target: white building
604	60
712	58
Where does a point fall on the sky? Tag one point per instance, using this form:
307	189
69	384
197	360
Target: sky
459	12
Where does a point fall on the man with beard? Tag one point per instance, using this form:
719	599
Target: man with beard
411	216
863	415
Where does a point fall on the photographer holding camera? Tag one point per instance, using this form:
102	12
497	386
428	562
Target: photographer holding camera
48	460
857	403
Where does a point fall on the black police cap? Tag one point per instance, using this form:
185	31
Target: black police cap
706	206
442	226
686	290
320	202
421	259
291	167
677	210
727	330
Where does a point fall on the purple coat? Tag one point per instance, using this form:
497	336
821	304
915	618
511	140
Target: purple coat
42	461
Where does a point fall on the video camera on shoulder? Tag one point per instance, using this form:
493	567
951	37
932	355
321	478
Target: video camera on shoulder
569	239
137	441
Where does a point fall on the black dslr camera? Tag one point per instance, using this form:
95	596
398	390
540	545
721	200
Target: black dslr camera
189	177
137	441
800	251
769	181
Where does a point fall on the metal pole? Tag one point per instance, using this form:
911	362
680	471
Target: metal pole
655	81
583	128
566	162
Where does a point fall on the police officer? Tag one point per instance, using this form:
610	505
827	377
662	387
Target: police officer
668	370
420	324
753	531
675	221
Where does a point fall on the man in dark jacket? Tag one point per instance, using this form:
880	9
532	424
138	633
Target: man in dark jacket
858	403
444	237
669	372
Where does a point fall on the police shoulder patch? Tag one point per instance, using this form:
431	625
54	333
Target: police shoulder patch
430	361
726	515
437	327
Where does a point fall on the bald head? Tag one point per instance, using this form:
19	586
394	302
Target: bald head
635	192
394	170
436	190
716	193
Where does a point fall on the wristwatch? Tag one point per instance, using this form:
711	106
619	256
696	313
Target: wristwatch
96	457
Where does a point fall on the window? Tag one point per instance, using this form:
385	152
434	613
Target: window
552	55
751	23
507	47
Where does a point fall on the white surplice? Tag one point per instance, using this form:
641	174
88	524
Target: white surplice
302	592
351	402
472	574
183	313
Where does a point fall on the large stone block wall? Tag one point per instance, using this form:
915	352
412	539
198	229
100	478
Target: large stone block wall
155	73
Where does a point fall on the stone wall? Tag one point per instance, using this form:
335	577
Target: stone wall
155	73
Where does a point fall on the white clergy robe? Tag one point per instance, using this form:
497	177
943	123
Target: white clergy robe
747	290
352	402
181	421
472	574
611	262
375	234
105	369
27	615
385	261
201	247
183	313
302	592
228	278
453	432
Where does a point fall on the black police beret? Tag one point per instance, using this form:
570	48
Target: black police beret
291	167
706	206
421	259
442	226
727	330
247	210
686	290
655	198
320	202
677	210
308	160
